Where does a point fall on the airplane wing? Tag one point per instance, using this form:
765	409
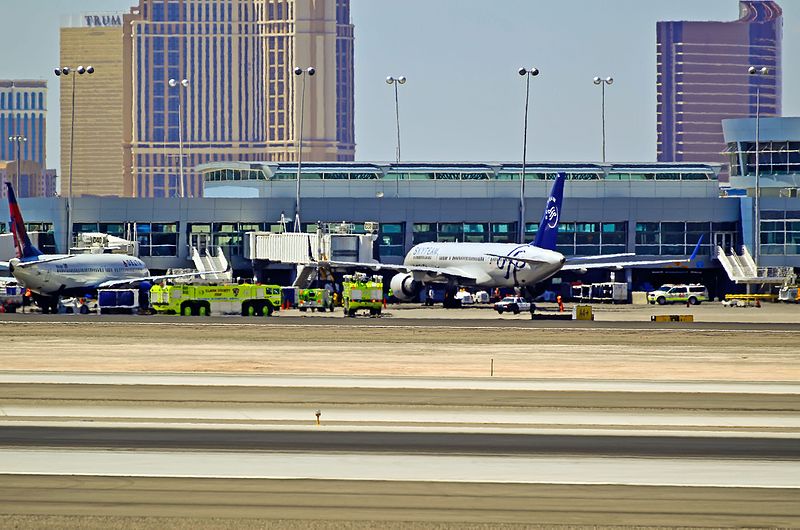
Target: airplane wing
431	274
570	266
580	263
156	279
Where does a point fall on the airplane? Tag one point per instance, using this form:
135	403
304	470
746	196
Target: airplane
52	276
490	265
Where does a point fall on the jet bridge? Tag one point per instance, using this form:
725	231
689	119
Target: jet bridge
297	252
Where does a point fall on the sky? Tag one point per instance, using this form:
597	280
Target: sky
464	100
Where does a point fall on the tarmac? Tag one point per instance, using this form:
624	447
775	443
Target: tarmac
431	417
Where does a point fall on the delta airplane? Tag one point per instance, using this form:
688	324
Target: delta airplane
51	276
490	265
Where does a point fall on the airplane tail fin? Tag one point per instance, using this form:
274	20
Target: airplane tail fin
548	226
22	242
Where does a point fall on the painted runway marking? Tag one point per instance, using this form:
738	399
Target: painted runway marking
404	326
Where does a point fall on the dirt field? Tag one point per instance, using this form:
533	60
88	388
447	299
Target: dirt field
406	350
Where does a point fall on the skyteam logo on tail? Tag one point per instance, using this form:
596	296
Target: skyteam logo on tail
547	234
551	213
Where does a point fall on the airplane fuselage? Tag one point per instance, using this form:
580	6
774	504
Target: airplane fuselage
77	274
481	261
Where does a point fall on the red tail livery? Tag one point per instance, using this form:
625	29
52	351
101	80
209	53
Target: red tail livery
22	242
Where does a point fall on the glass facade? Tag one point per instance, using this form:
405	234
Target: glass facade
777	158
23	113
702	79
780	233
471	173
676	238
238	57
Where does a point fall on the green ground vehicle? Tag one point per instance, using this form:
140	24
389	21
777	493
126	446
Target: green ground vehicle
198	300
360	291
315	300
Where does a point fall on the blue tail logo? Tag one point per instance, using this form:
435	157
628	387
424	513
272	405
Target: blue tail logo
25	248
548	227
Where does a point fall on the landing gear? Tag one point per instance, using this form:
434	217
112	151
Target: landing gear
48	304
450	300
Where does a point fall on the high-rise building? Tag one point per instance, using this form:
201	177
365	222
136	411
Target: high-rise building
23	116
23	112
703	78
93	39
241	100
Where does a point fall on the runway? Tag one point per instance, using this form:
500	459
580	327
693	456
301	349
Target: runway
402	442
209	423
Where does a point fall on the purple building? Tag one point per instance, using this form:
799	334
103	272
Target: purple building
703	79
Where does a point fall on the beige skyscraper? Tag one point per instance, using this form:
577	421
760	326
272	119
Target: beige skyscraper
97	162
303	33
241	100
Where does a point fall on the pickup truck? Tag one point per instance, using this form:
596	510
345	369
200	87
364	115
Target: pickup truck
512	304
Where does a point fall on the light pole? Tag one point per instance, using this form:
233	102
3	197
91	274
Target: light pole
528	73
19	140
603	82
396	81
184	84
65	71
757	214
299	71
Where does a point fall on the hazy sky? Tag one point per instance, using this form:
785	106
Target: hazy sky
464	99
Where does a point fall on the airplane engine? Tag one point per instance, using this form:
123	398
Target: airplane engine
404	287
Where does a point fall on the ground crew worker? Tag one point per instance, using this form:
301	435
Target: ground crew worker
560	304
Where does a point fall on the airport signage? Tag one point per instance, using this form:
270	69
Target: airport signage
102	21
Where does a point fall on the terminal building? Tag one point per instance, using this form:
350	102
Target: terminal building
656	210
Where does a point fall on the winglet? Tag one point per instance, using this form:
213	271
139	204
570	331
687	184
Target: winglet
25	248
547	234
696	248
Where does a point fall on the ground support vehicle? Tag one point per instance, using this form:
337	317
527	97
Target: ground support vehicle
465	298
360	291
790	293
124	301
11	296
692	294
512	304
315	300
198	300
